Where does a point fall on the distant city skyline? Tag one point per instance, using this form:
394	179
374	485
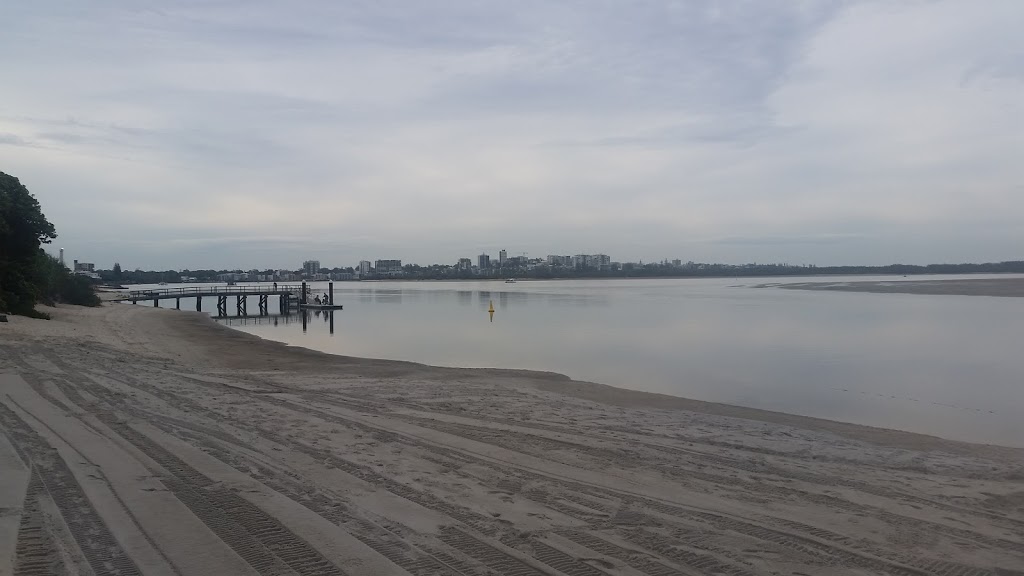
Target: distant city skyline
219	134
552	267
384	268
365	265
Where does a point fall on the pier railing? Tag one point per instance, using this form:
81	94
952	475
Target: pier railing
186	291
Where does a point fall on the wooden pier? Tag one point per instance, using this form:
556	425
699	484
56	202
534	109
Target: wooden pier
289	296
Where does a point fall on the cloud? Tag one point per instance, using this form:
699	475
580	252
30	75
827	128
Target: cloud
816	239
257	134
12	139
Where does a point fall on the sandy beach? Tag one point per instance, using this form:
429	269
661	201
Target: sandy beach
1012	287
136	440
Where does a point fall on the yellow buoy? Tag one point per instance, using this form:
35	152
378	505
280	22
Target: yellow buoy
491	309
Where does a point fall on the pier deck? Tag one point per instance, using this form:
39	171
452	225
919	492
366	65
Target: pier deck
289	295
157	294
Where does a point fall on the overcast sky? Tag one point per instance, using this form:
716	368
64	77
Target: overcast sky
224	133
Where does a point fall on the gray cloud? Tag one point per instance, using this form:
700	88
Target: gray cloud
789	240
229	133
12	139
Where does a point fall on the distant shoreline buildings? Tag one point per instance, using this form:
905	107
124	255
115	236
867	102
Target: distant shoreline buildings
87	269
553	266
484	267
391	269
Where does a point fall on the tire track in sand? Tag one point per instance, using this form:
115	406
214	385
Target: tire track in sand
390	549
487	554
477	521
798	543
262	541
375	537
378	538
795	542
34	552
99	547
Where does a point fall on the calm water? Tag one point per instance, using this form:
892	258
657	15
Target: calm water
951	366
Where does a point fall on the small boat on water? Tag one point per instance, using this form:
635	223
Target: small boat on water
510	281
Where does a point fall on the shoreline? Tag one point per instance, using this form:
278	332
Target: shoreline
564	384
198	437
583	389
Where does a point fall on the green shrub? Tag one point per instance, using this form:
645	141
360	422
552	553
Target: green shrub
78	290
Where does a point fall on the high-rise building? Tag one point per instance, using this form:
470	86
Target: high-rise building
483	261
554	260
388	267
364	267
311	268
598	261
502	257
465	263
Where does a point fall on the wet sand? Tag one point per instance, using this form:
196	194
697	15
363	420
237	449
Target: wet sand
1005	287
135	440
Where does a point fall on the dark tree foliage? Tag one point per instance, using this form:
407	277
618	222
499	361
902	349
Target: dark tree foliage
23	229
27	274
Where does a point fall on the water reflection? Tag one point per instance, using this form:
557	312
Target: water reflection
387	296
272	319
303	317
309	316
464	297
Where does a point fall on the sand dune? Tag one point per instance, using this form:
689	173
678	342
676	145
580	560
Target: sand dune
142	441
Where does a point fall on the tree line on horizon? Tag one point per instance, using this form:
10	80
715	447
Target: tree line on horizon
628	270
28	275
